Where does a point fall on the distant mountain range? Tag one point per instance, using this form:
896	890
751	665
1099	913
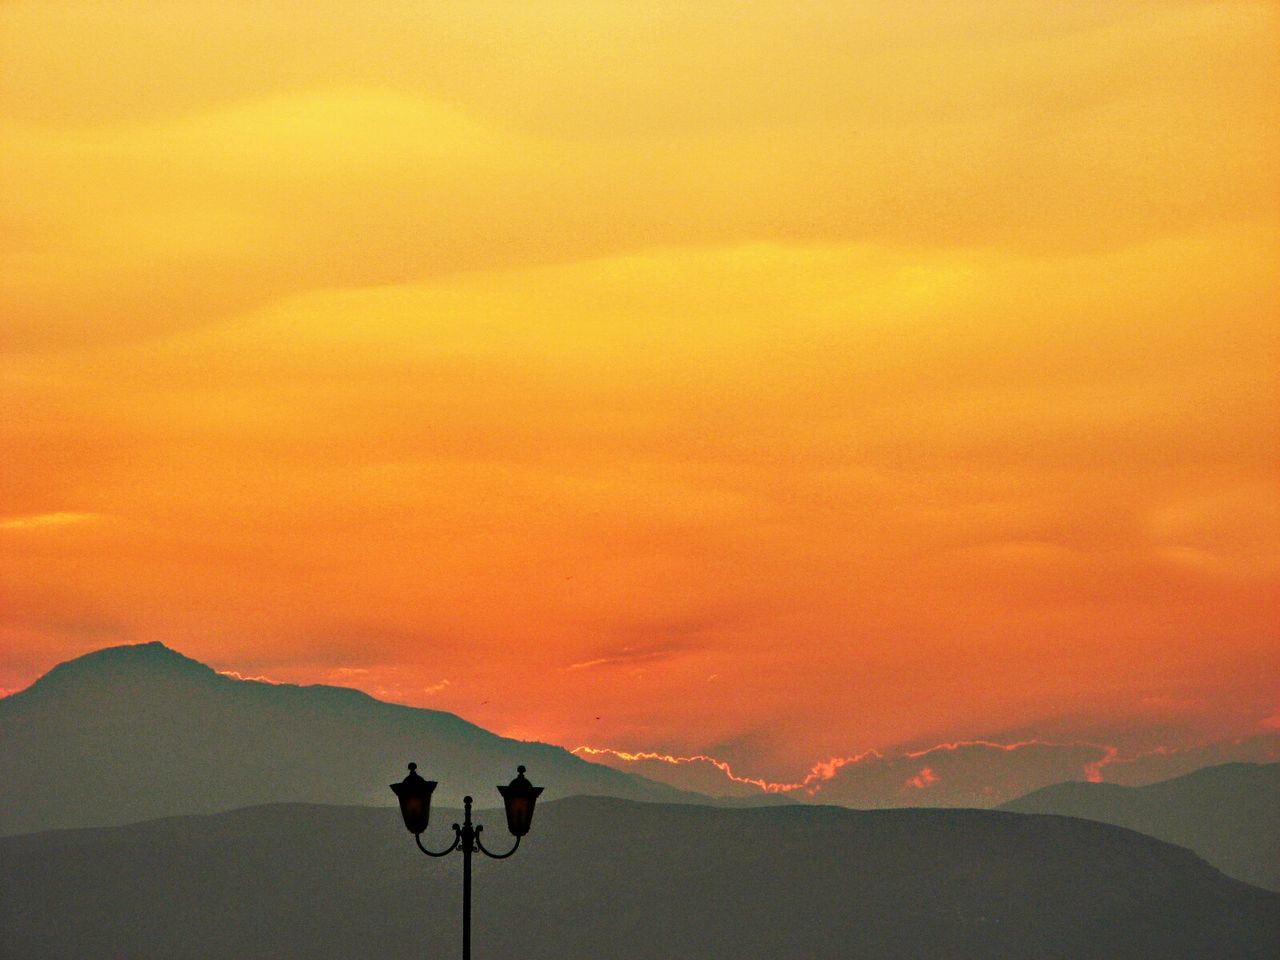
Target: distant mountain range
610	878
132	733
1228	814
135	732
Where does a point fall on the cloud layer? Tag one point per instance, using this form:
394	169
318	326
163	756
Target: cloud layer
801	378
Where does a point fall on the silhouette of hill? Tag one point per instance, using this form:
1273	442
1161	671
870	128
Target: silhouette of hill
130	733
1229	814
602	877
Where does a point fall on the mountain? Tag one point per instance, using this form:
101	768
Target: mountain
600	877
129	733
1228	814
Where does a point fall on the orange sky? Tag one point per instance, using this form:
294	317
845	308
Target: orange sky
777	381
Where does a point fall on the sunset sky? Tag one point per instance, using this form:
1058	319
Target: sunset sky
771	381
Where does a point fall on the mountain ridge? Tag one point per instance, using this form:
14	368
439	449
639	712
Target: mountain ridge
133	732
604	876
1228	813
155	655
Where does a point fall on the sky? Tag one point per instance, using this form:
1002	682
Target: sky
881	386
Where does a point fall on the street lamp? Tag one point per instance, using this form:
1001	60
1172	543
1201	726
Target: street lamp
518	797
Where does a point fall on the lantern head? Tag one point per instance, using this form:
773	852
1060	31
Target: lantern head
415	800
519	797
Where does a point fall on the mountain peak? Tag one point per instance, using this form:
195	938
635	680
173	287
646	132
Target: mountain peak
152	659
153	649
163	734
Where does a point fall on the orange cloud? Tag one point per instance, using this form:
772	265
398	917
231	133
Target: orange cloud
910	371
962	773
925	778
59	518
256	679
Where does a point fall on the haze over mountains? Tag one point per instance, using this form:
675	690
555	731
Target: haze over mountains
131	733
1228	814
603	877
134	732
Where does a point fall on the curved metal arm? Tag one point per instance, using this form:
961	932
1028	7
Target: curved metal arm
489	853
457	838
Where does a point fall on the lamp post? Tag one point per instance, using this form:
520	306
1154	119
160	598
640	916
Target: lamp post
518	797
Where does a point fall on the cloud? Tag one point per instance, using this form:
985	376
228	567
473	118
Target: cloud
256	678
923	780
912	365
855	471
247	184
1134	768
38	521
698	772
631	655
978	773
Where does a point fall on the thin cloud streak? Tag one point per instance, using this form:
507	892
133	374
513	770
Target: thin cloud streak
256	678
975	757
37	521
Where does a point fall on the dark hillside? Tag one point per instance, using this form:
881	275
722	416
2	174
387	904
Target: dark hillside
1228	814
611	878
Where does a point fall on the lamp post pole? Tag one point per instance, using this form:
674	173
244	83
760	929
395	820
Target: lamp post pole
467	836
518	797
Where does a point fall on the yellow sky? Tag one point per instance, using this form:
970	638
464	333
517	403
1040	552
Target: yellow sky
779	379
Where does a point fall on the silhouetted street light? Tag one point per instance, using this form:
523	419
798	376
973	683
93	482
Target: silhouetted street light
518	797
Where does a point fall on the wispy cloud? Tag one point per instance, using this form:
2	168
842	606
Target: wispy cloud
630	655
961	772
861	396
60	518
924	779
667	758
236	675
